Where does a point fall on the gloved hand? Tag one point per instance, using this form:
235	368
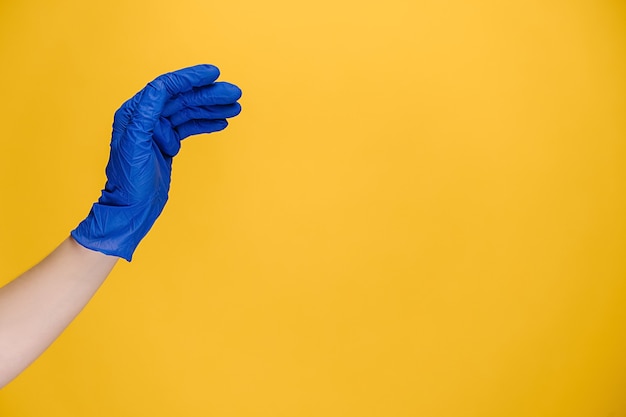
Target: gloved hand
147	131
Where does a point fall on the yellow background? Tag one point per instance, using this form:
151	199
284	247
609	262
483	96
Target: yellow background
419	212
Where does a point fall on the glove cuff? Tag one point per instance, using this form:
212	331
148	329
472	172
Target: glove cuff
116	230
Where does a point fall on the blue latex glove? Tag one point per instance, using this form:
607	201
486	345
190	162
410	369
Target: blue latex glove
147	131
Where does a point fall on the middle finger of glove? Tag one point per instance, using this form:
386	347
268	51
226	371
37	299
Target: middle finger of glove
206	112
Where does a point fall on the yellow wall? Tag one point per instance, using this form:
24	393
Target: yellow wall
419	212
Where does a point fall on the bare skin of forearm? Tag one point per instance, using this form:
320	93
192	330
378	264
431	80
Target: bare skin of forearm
37	306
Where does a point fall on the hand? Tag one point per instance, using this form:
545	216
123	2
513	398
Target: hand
147	131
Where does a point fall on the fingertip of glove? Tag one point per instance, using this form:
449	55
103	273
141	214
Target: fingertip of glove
235	91
207	72
209	68
234	110
217	125
227	91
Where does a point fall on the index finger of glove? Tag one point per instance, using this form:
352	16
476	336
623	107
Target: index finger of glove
149	102
214	94
186	79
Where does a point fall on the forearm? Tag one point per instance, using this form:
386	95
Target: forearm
37	306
